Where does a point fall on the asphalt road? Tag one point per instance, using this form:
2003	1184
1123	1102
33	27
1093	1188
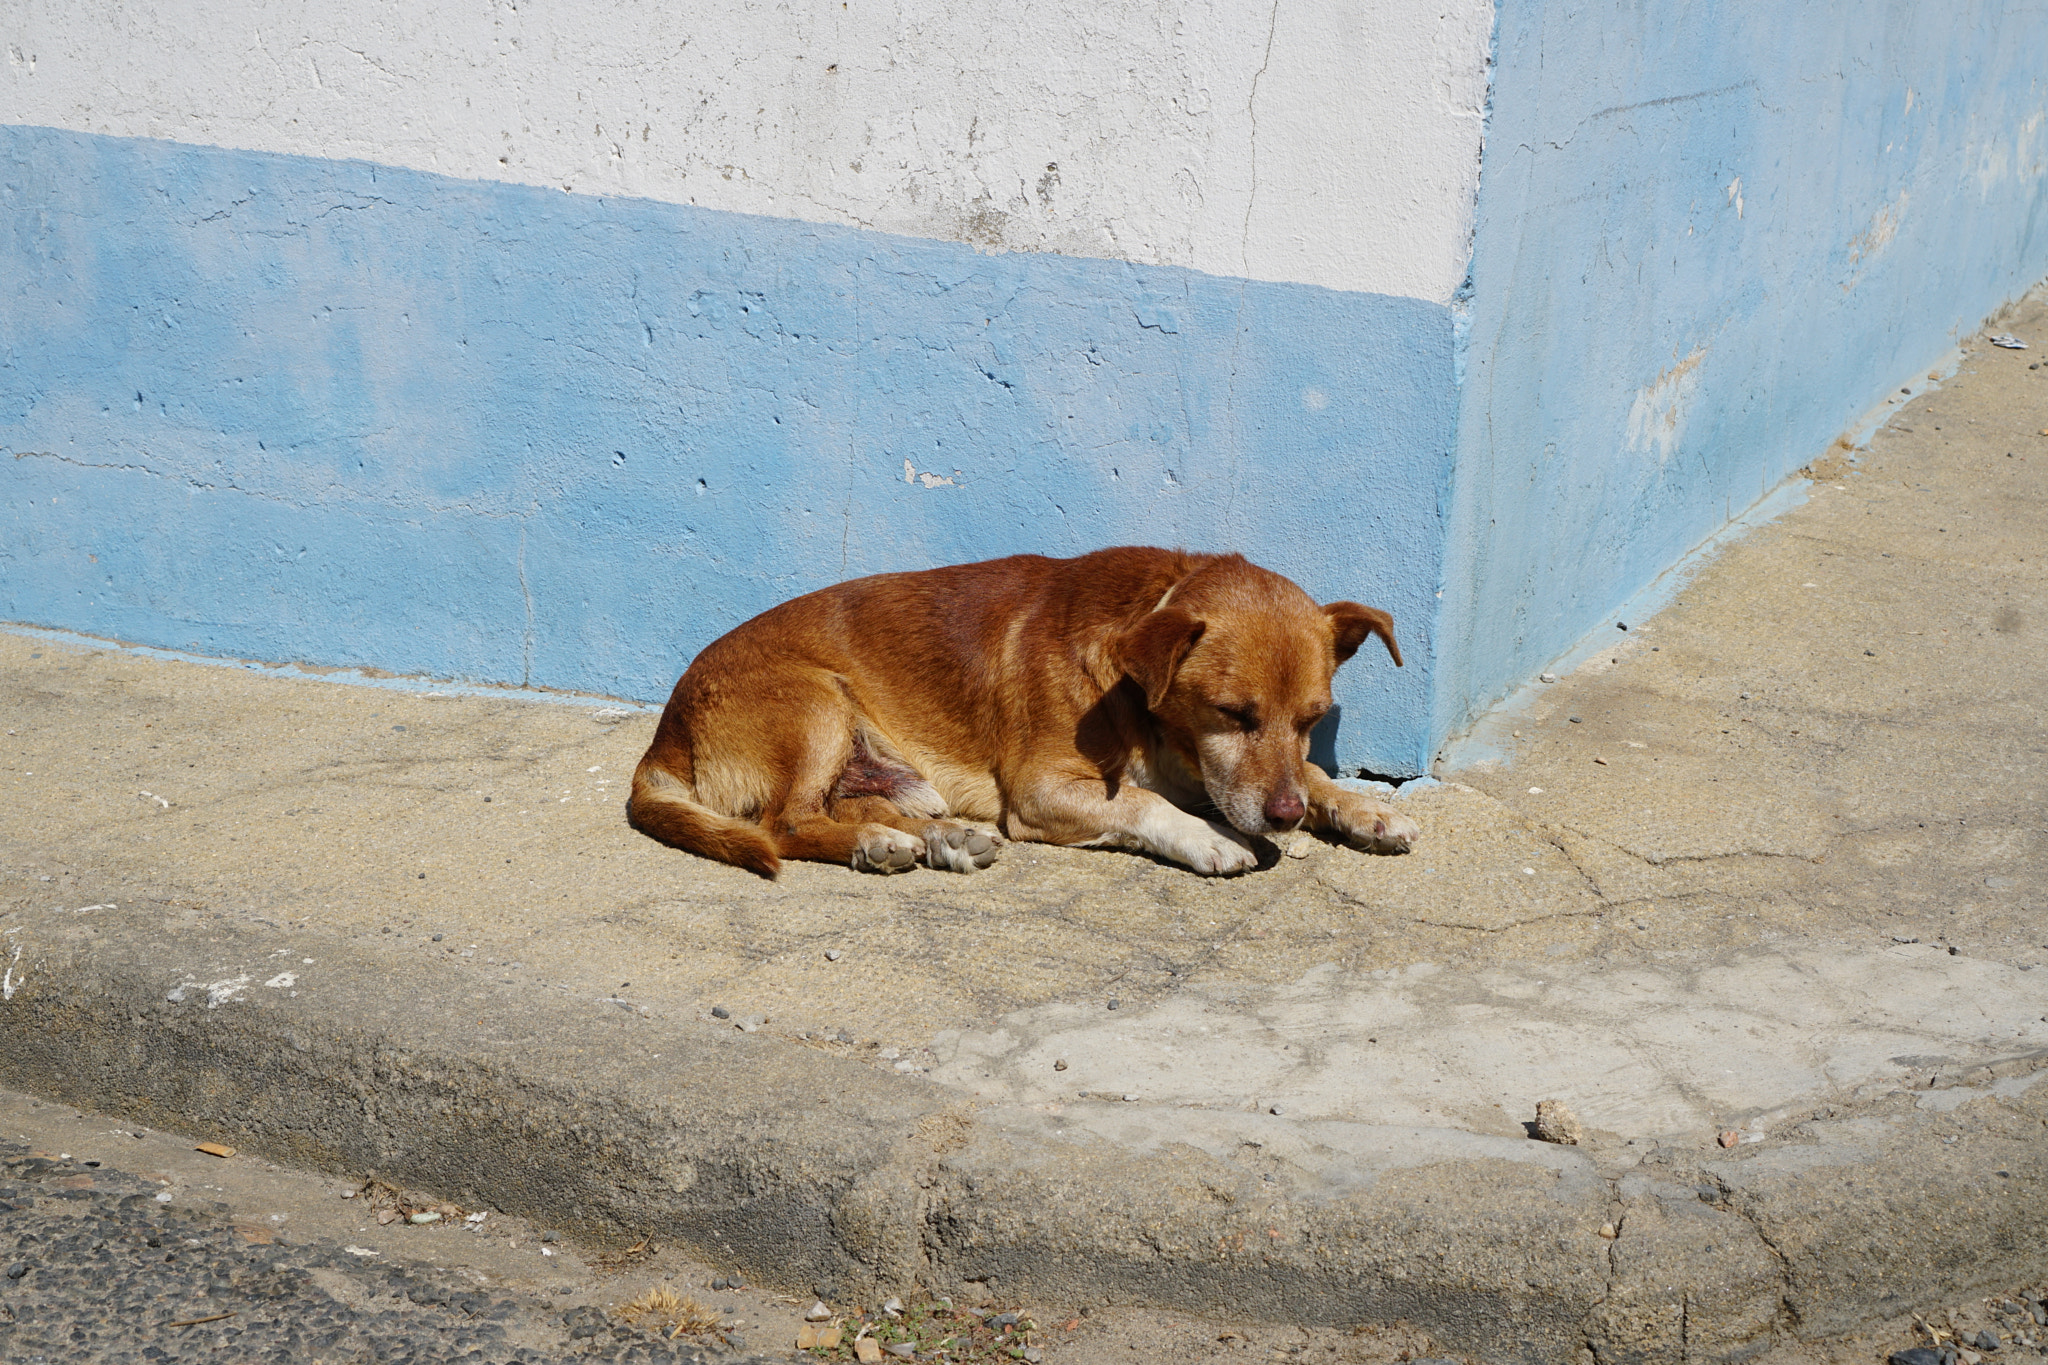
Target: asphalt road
98	1265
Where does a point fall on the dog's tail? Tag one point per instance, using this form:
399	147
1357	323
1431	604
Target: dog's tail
663	807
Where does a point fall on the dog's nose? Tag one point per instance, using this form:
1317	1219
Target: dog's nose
1285	808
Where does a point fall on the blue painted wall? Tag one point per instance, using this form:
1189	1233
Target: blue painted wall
1650	346
297	409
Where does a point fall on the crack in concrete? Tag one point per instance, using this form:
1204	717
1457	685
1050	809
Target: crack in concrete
1557	842
1788	1308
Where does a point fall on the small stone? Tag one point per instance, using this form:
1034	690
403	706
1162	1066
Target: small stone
890	1054
866	1351
1870	654
833	954
439	937
1130	1099
720	1012
751	1023
1275	1110
1115	1003
1555	1122
1729	1137
893	1308
806	1337
830	1337
17	1270
1059	1064
716	1284
551	1236
1573	719
1987	1340
1546	677
1608	1231
902	1350
428	1217
818	1312
1916	1355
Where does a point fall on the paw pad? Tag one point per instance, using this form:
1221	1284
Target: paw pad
956	848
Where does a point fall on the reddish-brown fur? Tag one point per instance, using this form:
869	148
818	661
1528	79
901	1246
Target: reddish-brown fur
1095	700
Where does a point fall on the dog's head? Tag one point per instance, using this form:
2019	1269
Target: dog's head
1236	669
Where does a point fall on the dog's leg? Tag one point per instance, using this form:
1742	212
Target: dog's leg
1067	809
1355	818
808	733
948	845
869	847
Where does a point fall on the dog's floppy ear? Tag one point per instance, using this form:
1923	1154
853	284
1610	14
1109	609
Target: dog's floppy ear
1352	623
1152	651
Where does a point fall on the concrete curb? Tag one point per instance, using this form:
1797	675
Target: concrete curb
800	1167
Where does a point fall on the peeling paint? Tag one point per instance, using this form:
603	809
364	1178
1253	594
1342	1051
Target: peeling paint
1884	226
1656	420
218	993
927	478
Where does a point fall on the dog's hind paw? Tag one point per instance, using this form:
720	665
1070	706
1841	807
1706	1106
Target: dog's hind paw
882	849
957	848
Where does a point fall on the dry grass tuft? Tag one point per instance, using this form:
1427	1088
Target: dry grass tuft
668	1314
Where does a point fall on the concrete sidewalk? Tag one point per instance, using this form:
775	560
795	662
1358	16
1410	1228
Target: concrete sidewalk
1771	863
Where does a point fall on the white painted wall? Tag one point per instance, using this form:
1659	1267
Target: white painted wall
1329	142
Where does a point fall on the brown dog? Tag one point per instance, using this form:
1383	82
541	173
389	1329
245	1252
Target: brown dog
1094	701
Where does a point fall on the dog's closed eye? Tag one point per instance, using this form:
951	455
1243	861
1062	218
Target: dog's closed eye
1245	715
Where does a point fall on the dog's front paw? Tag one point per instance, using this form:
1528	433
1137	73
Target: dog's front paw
957	848
882	849
1372	826
1218	851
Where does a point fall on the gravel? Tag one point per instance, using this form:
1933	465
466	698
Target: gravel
98	1270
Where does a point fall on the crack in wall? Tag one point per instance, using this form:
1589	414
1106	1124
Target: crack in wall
389	504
